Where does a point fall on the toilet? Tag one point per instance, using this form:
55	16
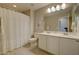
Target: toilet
33	42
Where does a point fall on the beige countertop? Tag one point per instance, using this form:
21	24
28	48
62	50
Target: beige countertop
60	34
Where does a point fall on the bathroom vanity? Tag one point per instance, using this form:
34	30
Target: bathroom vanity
61	32
59	43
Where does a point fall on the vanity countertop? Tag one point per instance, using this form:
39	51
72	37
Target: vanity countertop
59	34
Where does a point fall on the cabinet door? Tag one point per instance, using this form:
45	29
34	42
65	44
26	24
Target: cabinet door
69	47
0	44
42	42
53	45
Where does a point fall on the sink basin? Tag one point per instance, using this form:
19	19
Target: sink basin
48	32
66	33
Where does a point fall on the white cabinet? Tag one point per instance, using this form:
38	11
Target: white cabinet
59	45
42	42
53	45
69	46
0	44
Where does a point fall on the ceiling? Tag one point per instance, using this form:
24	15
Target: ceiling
23	6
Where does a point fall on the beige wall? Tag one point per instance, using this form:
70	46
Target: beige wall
27	12
30	13
39	24
32	21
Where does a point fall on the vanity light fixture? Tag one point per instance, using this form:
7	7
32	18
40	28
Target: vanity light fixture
14	5
58	7
53	9
63	6
48	10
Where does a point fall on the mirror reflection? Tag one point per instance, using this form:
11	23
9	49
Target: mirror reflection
65	20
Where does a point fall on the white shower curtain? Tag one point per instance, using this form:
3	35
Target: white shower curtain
16	29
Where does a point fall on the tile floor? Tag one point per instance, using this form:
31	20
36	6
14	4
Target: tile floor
26	50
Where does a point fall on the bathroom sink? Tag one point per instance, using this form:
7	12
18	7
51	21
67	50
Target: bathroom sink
48	32
65	33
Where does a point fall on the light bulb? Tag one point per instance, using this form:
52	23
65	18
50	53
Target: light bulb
57	7
14	5
53	9
63	6
48	10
